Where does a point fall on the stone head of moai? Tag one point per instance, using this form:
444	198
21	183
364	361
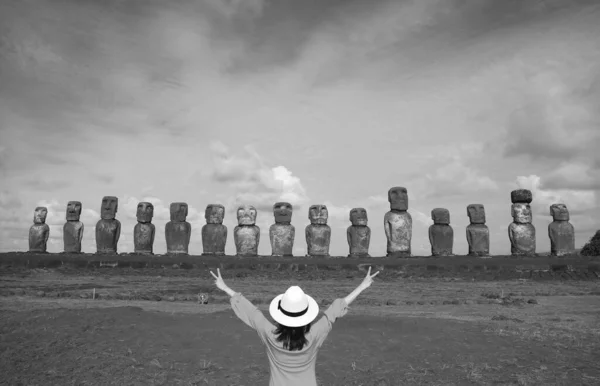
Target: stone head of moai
282	212
358	217
73	210
318	214
179	211
145	212
476	213
521	213
214	214
398	198
246	215
559	212
440	216
110	205
521	196
39	215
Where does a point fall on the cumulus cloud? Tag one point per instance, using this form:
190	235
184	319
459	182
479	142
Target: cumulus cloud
252	182
451	171
578	201
573	176
453	177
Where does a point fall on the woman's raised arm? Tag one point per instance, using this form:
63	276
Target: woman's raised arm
366	283
221	284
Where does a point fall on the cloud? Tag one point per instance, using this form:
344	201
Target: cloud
575	176
454	178
452	171
252	182
557	118
12	221
578	201
45	184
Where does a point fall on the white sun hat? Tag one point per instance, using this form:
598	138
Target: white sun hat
294	308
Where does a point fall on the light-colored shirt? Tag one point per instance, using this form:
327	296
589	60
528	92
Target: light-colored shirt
289	368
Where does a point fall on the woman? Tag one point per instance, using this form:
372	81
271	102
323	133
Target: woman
292	347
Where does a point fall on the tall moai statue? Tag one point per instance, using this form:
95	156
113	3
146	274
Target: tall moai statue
478	234
318	233
398	223
108	229
561	231
521	231
144	230
214	233
359	234
73	228
246	234
39	231
441	234
178	231
282	233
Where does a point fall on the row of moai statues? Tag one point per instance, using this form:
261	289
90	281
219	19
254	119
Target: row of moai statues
397	223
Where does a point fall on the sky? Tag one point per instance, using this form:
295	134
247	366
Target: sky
312	102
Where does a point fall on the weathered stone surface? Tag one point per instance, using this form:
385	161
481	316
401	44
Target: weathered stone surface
73	228
39	231
144	230
178	231
522	196
561	231
108	229
246	235
283	212
214	233
282	233
521	232
441	234
318	233
359	234
398	224
478	234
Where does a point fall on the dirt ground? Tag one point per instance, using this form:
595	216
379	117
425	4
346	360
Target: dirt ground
152	330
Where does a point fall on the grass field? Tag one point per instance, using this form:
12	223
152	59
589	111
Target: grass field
152	330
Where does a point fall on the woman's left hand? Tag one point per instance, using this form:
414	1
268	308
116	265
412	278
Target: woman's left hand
219	280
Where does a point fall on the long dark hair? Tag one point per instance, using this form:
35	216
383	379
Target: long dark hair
293	338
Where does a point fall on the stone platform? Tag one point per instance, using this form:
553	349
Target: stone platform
466	267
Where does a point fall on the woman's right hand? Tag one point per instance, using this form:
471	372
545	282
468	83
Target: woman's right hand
368	280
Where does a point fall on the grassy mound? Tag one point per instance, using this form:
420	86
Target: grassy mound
592	248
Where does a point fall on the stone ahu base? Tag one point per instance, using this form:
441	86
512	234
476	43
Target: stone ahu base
492	268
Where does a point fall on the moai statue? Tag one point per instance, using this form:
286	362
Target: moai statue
478	234
561	231
39	231
246	234
214	233
441	234
178	231
144	230
359	234
108	229
318	233
282	233
73	228
398	223
521	231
